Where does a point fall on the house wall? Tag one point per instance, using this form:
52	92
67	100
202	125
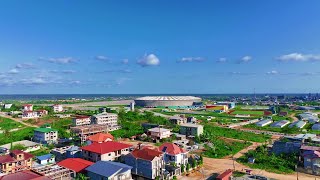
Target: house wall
94	157
49	137
178	159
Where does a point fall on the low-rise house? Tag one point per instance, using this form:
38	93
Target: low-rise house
298	124
74	152
15	161
27	107
46	159
54	172
84	131
283	113
178	119
146	162
100	138
7	106
190	129
316	127
159	133
280	124
264	122
28	145
66	152
24	175
310	117
106	151
57	108
191	120
45	135
76	165
147	126
81	120
311	162
109	170
285	147
29	114
225	175
41	112
174	154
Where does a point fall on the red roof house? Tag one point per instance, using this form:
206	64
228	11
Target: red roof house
171	149
24	175
101	137
146	153
75	164
174	154
105	151
225	175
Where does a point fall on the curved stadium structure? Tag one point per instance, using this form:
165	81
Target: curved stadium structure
167	101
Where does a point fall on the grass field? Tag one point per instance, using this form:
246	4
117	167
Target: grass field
248	112
7	124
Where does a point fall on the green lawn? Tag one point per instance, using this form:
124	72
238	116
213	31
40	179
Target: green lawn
25	133
7	124
248	112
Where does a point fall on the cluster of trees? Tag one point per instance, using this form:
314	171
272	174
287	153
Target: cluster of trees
193	163
284	163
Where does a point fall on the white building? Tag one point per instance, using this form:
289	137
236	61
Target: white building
174	154
29	114
159	133
45	135
57	108
81	120
29	145
109	119
7	106
27	107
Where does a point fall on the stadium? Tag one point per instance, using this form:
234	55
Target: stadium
167	101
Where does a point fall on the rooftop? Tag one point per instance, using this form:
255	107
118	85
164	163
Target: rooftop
146	153
24	175
44	130
45	157
169	98
25	143
10	157
105	147
100	137
156	129
108	168
75	164
191	125
171	149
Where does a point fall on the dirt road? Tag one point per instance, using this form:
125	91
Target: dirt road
19	120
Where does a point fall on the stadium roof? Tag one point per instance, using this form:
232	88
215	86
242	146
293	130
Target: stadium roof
169	98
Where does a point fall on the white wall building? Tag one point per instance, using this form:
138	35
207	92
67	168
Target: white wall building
109	119
57	108
27	107
81	120
159	133
45	135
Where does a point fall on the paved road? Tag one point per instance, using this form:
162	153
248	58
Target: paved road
2	114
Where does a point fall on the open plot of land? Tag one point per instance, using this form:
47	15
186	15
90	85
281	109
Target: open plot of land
248	112
8	124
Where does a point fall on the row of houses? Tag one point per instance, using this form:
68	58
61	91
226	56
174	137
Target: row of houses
103	158
29	113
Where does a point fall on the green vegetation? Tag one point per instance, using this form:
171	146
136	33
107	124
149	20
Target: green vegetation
286	129
25	133
8	124
238	174
131	123
19	146
62	126
260	113
215	131
284	163
40	152
221	148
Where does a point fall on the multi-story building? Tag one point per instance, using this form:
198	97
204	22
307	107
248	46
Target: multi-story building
146	162
45	135
190	129
29	114
174	154
109	170
109	119
27	107
106	151
84	131
178	119
15	161
57	108
159	133
81	120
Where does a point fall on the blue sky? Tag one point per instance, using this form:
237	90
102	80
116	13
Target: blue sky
163	46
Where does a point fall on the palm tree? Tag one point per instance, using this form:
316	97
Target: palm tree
8	134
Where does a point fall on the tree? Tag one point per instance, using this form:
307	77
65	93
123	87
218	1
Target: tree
8	134
182	168
194	164
81	176
174	177
201	160
188	167
19	147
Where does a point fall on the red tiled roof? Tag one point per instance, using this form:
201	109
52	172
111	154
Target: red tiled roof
171	149
81	116
100	137
24	175
227	173
75	164
146	153
105	147
10	158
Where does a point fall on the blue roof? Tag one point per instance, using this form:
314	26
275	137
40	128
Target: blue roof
45	157
108	168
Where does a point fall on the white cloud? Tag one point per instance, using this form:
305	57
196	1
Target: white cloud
191	59
299	57
34	81
63	60
125	61
149	60
221	60
13	71
273	72
24	66
102	58
246	59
